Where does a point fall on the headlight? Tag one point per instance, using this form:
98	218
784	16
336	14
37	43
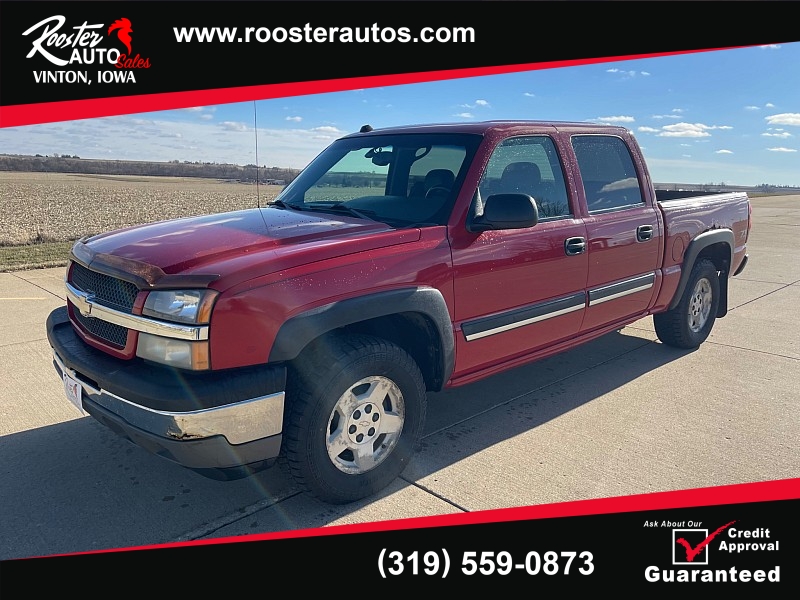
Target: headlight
176	353
180	306
177	306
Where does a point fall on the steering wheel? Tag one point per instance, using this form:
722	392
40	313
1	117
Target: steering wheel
437	190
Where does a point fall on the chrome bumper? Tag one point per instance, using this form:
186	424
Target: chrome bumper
239	423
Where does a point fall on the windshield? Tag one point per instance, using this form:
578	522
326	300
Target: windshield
401	180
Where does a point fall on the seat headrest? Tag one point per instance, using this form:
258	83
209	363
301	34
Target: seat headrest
521	177
439	178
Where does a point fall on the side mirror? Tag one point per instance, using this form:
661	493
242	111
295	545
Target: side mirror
506	211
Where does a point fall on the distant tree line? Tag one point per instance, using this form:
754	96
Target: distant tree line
66	163
345	179
724	187
74	164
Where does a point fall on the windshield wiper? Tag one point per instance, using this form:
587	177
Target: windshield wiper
282	204
342	208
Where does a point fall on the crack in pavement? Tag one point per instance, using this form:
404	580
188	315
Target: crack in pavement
64	298
783	287
212	527
435	494
751	350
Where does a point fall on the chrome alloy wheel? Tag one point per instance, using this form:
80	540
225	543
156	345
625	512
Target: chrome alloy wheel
365	425
700	305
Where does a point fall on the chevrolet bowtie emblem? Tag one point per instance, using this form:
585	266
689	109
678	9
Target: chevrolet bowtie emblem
85	304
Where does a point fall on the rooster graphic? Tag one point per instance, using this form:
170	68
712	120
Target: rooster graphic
124	33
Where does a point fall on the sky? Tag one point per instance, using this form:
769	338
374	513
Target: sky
729	116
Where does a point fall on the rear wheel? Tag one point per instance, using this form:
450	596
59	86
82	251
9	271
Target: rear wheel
690	322
356	409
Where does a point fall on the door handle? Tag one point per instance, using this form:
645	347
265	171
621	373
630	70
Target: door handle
574	245
644	233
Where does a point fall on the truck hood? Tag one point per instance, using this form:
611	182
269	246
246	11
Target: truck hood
256	241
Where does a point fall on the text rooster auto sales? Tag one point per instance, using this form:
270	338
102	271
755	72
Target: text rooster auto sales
85	45
691	547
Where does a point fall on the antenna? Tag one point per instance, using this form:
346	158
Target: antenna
255	128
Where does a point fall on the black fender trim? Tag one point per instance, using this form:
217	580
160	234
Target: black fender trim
697	245
301	329
741	266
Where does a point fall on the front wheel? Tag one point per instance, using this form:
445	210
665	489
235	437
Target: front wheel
690	322
356	410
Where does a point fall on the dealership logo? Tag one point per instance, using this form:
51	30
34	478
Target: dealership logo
75	48
123	27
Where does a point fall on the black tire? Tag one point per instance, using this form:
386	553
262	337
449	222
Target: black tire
690	322
352	393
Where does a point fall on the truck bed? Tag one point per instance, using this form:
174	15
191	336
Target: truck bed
690	216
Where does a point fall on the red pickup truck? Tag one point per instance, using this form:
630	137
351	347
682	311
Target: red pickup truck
400	261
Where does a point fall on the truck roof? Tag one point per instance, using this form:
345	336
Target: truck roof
484	127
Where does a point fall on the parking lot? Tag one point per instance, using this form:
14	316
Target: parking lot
621	415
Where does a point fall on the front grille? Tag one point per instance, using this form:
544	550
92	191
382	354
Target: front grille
108	291
111	333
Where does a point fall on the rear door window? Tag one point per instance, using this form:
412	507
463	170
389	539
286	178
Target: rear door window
609	176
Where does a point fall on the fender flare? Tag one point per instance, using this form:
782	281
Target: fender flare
696	246
301	329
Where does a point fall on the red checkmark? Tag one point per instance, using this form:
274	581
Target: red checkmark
692	552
